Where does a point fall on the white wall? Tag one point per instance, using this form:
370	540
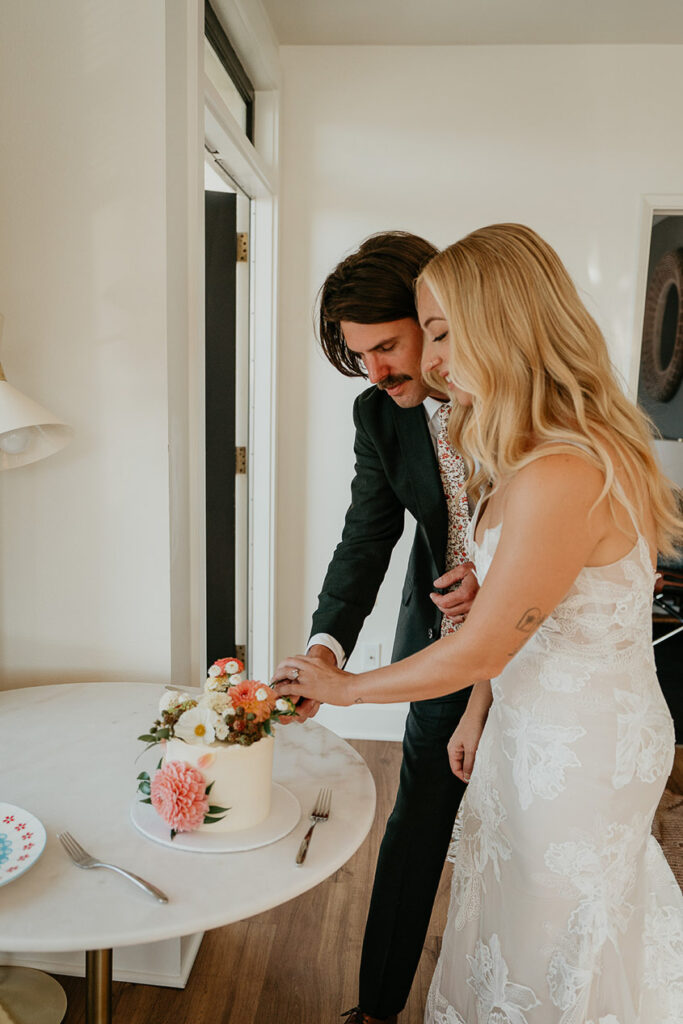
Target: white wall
439	141
85	261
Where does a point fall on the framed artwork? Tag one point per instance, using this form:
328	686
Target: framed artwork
658	349
660	368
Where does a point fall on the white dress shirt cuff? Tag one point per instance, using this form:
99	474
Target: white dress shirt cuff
325	640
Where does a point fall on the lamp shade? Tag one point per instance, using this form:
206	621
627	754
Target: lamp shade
27	431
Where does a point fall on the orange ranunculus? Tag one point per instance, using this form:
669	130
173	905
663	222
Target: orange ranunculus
243	695
222	662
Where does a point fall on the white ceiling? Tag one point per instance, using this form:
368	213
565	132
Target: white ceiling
433	22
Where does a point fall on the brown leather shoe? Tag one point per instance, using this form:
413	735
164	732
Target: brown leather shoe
356	1016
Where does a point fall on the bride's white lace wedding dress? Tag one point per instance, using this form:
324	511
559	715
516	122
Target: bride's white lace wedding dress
563	908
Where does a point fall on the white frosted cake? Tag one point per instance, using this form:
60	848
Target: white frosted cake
242	779
216	771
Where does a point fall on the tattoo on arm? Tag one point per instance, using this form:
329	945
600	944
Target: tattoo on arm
358	700
528	624
531	620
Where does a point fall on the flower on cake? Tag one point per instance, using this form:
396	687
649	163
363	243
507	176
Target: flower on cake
197	725
254	698
173	699
231	710
218	701
224	673
228	666
178	795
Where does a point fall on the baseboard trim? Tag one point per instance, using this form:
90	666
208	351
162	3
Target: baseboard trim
166	963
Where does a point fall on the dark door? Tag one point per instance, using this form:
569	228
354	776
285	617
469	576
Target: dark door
220	275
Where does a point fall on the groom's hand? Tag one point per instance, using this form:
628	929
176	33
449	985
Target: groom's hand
456	603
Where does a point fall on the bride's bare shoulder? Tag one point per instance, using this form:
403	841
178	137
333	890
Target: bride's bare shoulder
562	490
559	475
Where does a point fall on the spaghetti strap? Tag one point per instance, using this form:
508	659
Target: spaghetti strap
474	519
620	495
574	444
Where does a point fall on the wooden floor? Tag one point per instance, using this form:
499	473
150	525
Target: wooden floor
296	964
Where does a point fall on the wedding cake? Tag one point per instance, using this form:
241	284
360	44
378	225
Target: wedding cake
216	770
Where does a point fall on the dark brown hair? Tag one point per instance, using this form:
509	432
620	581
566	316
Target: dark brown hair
374	285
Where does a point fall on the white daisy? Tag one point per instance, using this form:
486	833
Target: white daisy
198	725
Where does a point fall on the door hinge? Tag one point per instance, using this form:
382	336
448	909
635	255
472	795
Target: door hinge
240	461
241	653
242	247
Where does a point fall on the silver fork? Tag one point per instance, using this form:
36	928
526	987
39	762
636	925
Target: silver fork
320	812
82	859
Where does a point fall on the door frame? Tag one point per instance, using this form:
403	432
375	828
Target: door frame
195	117
240	160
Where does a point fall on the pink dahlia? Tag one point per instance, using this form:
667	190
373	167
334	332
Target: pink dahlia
178	793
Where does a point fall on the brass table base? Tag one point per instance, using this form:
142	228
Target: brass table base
98	986
30	997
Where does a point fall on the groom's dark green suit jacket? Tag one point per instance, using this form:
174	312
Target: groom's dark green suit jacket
396	469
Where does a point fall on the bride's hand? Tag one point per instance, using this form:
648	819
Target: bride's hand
312	678
462	746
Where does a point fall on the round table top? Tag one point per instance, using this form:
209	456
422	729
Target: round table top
68	755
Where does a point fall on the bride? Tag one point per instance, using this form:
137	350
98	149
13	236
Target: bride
563	909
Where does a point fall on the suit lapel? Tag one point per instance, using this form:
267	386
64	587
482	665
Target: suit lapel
422	471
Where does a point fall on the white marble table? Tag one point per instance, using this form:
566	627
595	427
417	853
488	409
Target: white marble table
68	754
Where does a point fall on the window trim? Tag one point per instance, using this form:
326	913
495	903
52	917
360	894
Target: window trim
217	37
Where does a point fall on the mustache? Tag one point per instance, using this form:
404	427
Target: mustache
392	382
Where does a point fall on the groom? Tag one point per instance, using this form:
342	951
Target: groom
369	328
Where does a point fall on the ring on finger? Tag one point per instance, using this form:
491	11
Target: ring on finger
295	673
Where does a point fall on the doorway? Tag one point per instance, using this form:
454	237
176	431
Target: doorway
226	416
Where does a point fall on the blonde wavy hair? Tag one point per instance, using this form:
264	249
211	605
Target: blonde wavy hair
536	363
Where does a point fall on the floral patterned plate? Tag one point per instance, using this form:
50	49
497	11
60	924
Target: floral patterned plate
22	840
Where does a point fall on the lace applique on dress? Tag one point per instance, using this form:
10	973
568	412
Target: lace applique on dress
540	752
563	909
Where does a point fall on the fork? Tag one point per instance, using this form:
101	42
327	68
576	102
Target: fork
82	859
320	812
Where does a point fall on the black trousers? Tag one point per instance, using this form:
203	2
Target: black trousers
411	856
